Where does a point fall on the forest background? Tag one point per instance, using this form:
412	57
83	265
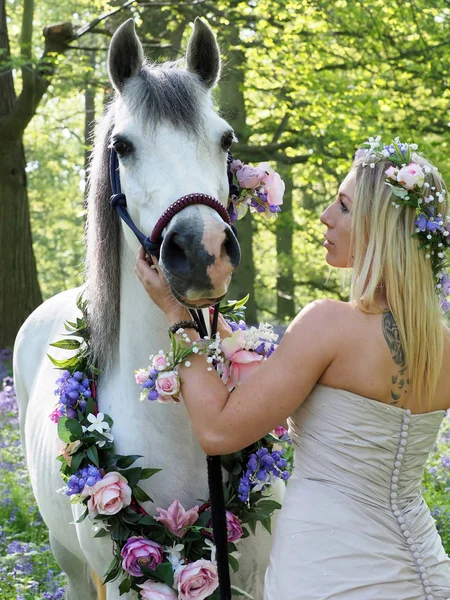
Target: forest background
304	83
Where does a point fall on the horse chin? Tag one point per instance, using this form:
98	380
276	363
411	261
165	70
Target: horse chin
197	304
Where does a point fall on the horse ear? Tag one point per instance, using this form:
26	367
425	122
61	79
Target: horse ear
125	56
203	54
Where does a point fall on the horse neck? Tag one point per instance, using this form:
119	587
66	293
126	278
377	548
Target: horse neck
143	326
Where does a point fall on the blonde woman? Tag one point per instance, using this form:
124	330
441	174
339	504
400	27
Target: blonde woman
364	384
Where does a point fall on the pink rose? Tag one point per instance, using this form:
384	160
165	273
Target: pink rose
243	362
141	376
197	580
410	176
140	551
167	384
176	519
274	185
249	177
109	495
151	590
392	172
159	362
234	529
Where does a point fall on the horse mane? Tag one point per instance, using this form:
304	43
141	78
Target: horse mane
159	93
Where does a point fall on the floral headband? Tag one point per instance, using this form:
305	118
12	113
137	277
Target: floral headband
407	180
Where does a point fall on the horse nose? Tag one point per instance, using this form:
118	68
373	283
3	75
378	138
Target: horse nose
183	253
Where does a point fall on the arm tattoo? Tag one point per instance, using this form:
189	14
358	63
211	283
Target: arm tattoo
392	337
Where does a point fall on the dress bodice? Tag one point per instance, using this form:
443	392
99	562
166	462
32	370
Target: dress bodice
391	445
354	525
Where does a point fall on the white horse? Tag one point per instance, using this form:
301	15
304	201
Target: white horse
171	142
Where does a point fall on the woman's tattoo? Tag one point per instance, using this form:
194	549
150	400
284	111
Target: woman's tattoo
392	337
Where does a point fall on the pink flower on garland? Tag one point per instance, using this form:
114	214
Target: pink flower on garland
243	362
151	590
197	580
168	386
176	518
109	495
274	185
140	551
410	176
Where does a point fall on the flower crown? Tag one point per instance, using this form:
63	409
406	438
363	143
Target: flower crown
407	181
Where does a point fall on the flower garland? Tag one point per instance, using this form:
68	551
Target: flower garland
170	555
407	180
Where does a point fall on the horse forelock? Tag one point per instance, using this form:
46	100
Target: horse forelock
166	93
160	93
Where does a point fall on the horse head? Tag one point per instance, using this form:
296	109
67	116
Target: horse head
172	143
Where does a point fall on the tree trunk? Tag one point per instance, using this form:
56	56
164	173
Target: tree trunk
284	232
232	106
20	293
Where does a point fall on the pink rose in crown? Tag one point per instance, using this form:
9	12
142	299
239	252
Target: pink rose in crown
151	590
167	385
141	376
140	551
109	495
242	362
196	580
392	172
410	176
176	518
159	362
274	185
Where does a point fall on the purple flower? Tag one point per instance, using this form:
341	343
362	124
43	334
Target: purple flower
421	222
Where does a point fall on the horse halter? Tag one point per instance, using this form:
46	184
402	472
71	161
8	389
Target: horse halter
152	244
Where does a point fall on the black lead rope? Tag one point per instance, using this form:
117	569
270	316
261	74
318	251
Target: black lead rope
215	483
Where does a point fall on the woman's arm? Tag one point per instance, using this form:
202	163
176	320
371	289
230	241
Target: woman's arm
225	422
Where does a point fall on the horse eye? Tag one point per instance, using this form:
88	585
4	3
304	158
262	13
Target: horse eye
227	140
121	147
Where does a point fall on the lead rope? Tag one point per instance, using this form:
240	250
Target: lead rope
215	483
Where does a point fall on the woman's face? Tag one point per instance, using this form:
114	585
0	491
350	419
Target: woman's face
337	218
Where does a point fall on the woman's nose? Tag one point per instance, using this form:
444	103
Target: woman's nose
325	216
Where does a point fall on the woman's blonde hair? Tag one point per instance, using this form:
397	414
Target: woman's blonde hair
386	255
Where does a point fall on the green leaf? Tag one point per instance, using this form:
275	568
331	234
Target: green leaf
126	461
67	344
77	458
270	505
164	570
132	476
152	574
140	495
83	516
69	430
125	586
101	533
234	564
267	524
68	364
90	406
113	571
92	453
148	520
146	473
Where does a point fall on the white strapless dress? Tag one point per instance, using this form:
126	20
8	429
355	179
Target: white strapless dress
354	525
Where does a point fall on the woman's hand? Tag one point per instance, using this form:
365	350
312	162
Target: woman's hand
158	289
